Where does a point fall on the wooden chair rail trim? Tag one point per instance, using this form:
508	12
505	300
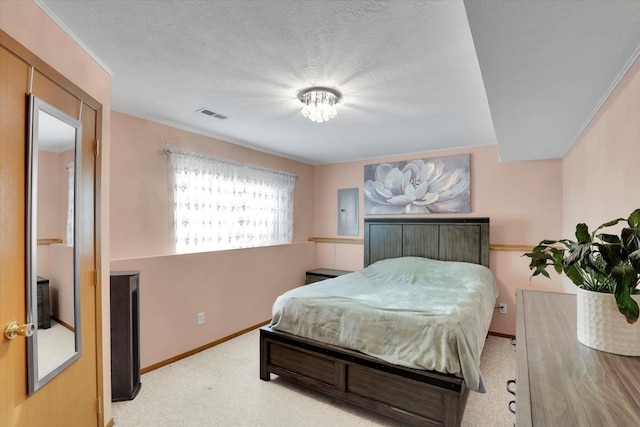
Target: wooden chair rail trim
336	240
521	248
49	241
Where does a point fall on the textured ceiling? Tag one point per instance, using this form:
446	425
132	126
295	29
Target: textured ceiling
547	67
408	70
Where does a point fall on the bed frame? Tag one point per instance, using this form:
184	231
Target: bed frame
413	396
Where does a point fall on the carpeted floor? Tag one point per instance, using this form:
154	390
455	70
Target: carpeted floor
55	345
221	387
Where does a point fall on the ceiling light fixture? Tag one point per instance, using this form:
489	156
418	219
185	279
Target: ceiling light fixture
319	103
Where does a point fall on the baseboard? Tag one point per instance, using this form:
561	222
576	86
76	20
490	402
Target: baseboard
110	423
201	348
500	334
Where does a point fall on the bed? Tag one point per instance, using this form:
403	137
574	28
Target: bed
407	391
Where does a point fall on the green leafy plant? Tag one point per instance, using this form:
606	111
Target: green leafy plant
597	261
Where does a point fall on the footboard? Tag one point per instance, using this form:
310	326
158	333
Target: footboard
419	398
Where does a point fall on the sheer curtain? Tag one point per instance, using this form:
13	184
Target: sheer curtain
225	205
70	202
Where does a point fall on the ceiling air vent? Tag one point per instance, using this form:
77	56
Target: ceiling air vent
208	112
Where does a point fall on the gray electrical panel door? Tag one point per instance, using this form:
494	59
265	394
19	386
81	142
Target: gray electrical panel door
348	199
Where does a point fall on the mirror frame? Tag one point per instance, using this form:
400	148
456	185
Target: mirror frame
35	380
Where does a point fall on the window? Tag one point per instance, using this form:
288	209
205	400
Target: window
221	205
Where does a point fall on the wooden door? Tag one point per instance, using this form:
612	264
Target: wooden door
71	398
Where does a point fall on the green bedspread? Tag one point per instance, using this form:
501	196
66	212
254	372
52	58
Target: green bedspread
414	312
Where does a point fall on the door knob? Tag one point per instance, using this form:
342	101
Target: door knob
14	329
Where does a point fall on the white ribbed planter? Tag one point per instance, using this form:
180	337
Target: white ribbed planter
603	327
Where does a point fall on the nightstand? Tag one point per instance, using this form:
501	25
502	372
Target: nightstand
323	274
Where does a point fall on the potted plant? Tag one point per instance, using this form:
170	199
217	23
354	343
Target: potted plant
606	269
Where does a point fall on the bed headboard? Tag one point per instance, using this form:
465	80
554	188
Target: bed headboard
446	239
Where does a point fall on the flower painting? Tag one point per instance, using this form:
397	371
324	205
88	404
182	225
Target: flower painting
436	185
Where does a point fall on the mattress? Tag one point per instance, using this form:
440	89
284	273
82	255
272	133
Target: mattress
414	312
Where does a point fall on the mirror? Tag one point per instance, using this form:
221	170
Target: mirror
53	273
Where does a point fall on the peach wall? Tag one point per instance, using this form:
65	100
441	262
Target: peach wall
55	262
523	201
52	196
513	194
142	196
30	26
600	172
235	288
61	285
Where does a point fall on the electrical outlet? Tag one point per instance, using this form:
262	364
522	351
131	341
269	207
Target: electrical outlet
503	308
200	318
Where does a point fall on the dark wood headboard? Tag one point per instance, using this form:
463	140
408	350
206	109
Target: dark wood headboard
446	239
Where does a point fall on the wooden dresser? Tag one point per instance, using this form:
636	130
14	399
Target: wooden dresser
561	382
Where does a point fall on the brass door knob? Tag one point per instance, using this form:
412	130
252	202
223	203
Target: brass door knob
14	329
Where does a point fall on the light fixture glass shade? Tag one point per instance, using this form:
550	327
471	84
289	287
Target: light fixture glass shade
319	103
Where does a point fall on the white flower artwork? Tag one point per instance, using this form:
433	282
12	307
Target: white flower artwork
436	185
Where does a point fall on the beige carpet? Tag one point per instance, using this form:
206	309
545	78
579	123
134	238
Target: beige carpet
221	387
55	345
